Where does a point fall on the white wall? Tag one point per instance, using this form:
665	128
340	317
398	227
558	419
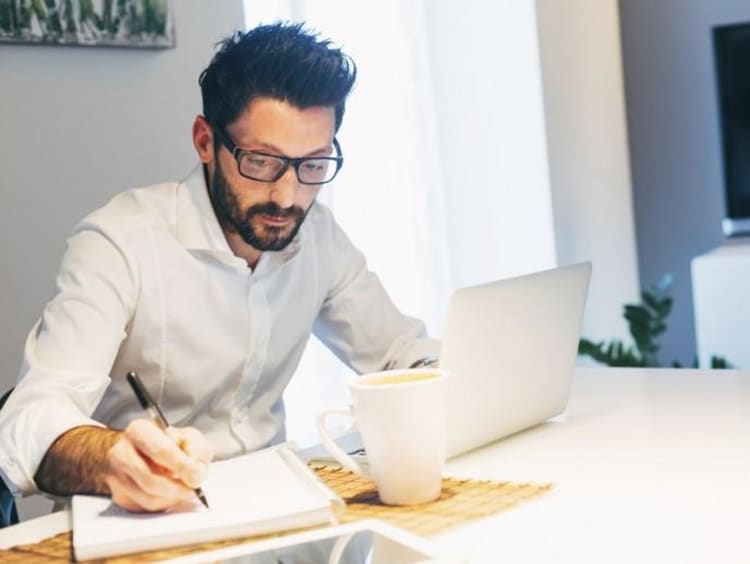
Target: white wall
488	92
584	105
534	144
78	125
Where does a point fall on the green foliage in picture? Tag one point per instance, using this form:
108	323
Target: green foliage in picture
646	322
136	23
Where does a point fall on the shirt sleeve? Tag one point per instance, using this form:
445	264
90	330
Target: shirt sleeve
68	354
359	322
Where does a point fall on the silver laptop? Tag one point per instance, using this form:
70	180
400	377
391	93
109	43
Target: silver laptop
511	347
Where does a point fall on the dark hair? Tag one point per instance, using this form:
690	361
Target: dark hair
281	61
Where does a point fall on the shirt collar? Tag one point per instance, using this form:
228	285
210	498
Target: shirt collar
198	228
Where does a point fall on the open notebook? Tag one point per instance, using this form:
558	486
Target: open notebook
266	491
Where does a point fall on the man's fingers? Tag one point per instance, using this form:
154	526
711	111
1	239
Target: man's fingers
192	442
162	449
154	470
142	481
127	494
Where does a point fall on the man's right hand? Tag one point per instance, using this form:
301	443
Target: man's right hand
154	470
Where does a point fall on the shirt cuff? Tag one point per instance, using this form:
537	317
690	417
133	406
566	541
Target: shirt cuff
417	350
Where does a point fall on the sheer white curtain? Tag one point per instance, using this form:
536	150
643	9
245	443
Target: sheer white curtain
389	196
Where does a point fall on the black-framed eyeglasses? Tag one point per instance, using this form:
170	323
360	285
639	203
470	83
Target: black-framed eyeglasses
265	167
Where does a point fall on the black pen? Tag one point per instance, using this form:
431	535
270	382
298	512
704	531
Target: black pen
155	414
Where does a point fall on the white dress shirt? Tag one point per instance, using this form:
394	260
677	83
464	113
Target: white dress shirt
148	283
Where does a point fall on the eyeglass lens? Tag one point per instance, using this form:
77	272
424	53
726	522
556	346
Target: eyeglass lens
268	168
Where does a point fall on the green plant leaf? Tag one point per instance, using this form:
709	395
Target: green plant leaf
665	307
646	322
719	362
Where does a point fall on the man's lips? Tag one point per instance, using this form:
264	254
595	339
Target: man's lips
275	220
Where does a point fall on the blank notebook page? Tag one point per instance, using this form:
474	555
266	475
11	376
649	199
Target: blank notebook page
255	493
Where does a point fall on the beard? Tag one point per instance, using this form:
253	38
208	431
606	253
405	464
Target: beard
247	224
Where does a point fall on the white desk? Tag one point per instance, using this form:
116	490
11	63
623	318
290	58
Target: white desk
650	466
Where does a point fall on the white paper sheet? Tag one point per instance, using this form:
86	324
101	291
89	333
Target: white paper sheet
251	494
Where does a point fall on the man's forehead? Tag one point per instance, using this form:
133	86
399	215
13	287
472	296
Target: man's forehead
264	106
281	124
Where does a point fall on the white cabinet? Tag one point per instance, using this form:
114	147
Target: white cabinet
721	299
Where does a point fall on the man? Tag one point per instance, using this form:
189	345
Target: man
208	289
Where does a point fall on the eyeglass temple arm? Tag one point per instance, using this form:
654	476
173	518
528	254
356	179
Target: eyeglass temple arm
338	148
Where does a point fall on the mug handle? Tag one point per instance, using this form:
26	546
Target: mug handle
335	450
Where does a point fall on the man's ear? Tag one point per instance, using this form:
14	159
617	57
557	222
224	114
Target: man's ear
203	140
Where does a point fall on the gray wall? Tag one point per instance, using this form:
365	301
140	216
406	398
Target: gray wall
674	143
78	125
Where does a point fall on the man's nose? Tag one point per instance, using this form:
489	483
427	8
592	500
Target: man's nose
284	190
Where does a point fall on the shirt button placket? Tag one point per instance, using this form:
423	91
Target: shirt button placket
259	326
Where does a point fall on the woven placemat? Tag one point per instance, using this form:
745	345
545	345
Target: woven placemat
460	502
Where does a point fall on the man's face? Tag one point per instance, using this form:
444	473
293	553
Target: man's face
268	215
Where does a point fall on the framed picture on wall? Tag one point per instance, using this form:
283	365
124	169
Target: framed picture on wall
110	23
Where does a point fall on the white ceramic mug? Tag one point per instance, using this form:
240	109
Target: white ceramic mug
401	417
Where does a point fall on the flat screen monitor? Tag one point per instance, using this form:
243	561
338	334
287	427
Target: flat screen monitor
732	59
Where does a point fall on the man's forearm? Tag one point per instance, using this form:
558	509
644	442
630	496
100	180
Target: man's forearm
76	462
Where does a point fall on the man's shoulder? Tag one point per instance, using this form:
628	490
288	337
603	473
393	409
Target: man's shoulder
136	210
322	222
321	225
325	229
320	216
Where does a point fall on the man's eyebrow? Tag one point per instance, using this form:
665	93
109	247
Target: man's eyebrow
273	149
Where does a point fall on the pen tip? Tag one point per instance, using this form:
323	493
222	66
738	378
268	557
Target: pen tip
203	500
